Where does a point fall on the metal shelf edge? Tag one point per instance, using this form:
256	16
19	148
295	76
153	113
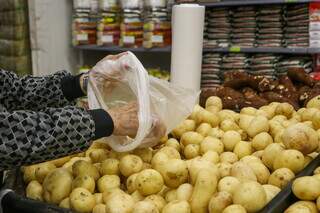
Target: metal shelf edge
253	2
121	49
264	50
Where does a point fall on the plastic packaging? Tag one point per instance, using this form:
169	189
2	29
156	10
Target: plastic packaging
118	82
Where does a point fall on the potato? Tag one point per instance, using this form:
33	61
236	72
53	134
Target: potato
230	139
242	172
243	134
315	120
268	110
131	183
243	149
130	164
197	108
198	164
307	114
100	208
70	163
318	203
65	203
301	138
149	182
82	167
270	153
145	207
60	161
228	184
81	200
159	159
157	200
216	133
43	169
119	202
108	182
314	103
284	109
212	109
261	171
84	181
98	155
191	151
174	144
184	192
204	116
228	125
171	153
301	207
224	169
271	191
261	141
29	173
137	196
191	138
281	177
317	170
248	111
108	194
291	159
211	156
250	158
204	188
279	118
228	114
185	126
278	137
145	153
34	190
57	185
204	129
275	128
257	125
171	195
214	101
234	209
219	202
174	173
211	143
228	157
245	121
250	195
110	166
258	154
98	198
306	188
177	207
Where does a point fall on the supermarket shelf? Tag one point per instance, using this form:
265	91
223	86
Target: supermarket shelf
280	50
122	49
226	3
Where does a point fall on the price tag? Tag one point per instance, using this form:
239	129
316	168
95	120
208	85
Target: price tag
157	39
82	37
128	39
107	38
235	49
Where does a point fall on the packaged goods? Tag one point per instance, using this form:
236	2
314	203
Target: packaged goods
84	29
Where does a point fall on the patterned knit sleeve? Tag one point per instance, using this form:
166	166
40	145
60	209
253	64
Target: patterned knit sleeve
35	93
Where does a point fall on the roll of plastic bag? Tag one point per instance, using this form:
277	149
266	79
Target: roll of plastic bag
171	104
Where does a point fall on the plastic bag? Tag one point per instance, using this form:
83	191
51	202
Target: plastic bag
108	89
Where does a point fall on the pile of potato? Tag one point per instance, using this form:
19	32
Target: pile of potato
215	161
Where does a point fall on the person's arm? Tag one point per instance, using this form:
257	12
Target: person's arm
36	93
28	137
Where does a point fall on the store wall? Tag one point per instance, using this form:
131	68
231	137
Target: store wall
50	32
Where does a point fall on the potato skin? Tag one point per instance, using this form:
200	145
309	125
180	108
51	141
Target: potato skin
82	167
177	206
82	200
84	181
281	177
291	159
34	190
174	173
234	208
130	164
119	202
306	188
149	182
219	202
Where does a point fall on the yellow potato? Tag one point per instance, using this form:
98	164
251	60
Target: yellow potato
108	182
34	190
318	203
57	185
211	143
261	141
275	127
224	169
228	184
145	153
100	208
204	129
84	181
131	183
317	170
302	207
270	153
307	160
177	207
198	164
81	200
245	121
214	101
108	194
234	209
82	167
171	195
43	169
216	133
281	177
242	172
248	111
204	116
212	109
191	138
284	109
145	207
119	202
29	173
211	156
137	196
306	188
174	173
65	203
258	154
98	198
172	142
157	200
314	103
98	155
257	125
130	164
184	192
149	182
249	159
261	171
60	161
110	166
185	126
219	202
307	114
228	125
230	139
159	159
227	114
191	151
268	110
271	191
250	195
243	149
172	153
228	157
278	137
291	159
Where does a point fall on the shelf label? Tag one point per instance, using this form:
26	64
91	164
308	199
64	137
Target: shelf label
235	49
157	39
107	38
128	39
82	37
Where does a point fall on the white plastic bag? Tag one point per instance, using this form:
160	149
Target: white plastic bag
108	89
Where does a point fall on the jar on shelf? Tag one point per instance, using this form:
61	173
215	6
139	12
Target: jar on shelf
82	4
84	29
